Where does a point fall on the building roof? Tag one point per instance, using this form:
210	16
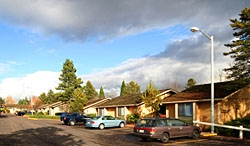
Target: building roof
131	100
95	102
203	93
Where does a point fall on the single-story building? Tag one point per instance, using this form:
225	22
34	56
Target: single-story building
16	107
90	106
52	109
194	103
121	106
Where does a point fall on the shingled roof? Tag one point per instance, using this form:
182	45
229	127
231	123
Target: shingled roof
203	93
130	100
96	102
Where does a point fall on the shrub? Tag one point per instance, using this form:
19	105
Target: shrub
245	122
132	118
40	113
91	115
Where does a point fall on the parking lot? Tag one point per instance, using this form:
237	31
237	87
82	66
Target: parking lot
21	131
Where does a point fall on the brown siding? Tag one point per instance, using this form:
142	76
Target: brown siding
236	106
170	109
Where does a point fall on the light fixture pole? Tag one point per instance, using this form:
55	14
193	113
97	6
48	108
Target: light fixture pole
194	29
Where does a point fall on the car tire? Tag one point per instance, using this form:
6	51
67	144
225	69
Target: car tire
121	125
101	126
72	123
165	137
195	134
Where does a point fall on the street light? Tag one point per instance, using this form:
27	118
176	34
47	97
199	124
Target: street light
195	29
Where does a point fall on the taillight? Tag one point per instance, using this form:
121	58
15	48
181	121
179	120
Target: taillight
92	122
152	130
64	118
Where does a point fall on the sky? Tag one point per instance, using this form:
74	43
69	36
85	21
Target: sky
111	41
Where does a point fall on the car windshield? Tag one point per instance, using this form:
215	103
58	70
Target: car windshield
145	123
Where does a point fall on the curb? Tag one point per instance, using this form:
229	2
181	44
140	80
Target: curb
32	118
214	136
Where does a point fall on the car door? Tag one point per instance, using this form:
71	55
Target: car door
106	121
173	128
112	121
182	128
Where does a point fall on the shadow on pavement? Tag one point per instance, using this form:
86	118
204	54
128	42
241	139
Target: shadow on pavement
50	136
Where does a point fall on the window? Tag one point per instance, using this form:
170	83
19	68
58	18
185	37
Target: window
177	123
101	111
121	111
185	109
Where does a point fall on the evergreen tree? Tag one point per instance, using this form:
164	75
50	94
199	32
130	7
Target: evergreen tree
51	97
151	99
24	101
191	82
1	100
132	88
69	81
101	93
79	100
90	91
123	88
43	98
240	48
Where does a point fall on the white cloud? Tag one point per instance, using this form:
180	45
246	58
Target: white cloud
4	68
30	85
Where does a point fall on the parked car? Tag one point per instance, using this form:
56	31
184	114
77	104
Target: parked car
73	118
20	113
164	128
62	116
102	122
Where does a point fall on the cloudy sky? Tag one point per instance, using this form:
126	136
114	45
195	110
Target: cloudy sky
111	41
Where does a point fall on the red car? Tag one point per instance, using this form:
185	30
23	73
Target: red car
164	128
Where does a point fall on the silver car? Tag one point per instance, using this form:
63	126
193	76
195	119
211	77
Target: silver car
102	122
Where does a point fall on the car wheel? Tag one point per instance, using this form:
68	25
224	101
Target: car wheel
101	126
122	125
164	137
195	134
72	123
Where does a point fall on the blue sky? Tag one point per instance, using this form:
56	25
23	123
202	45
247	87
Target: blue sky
111	41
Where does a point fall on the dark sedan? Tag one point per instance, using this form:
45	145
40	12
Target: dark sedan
164	128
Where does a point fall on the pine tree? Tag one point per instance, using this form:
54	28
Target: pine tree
240	48
90	90
69	81
123	89
24	101
51	98
101	93
1	100
79	100
132	88
151	99
43	98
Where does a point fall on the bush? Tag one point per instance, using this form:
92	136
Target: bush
40	113
91	115
245	122
132	118
45	117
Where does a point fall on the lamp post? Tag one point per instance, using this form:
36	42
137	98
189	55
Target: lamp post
211	38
